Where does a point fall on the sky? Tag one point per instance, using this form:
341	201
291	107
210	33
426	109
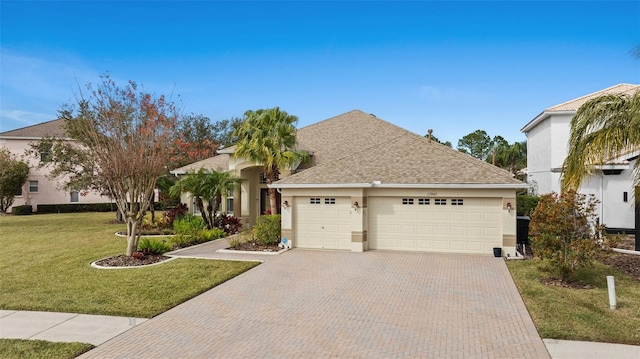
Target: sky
454	67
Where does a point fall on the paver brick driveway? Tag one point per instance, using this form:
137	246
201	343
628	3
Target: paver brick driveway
326	304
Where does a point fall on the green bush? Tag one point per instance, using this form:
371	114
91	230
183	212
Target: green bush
207	235
153	246
76	207
267	229
526	204
563	232
183	240
21	210
189	224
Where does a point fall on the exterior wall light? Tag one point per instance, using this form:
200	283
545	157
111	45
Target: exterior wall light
356	205
285	204
509	207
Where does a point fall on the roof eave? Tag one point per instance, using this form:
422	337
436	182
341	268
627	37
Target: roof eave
403	185
541	117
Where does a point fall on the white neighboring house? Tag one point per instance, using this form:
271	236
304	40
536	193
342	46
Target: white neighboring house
39	189
547	147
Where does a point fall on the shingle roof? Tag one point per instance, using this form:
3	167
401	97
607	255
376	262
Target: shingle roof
574	105
218	163
359	148
52	128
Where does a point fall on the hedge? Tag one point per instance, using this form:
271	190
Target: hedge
21	210
78	207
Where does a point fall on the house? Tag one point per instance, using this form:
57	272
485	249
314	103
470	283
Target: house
373	185
547	147
39	189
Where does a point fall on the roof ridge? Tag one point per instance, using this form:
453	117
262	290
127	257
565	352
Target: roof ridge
29	126
603	91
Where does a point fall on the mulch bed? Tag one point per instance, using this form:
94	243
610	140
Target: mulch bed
249	246
626	263
126	261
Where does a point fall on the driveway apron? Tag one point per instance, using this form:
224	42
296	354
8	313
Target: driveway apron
331	304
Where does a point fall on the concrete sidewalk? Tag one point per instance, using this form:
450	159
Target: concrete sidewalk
97	329
63	327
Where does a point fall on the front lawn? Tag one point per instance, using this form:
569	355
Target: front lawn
45	266
40	349
580	314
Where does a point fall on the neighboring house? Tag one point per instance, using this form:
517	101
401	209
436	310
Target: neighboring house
373	185
39	189
547	147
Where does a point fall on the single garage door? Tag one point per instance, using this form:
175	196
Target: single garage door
323	222
463	225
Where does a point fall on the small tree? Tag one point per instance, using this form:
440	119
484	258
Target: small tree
207	186
120	144
13	175
564	231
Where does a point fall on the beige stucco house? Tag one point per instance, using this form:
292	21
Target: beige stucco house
39	189
373	185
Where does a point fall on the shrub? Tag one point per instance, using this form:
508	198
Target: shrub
76	207
563	231
267	229
21	210
183	240
189	224
207	235
526	204
175	213
153	246
229	223
241	238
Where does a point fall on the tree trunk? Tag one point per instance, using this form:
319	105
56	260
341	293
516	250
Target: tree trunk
132	236
203	212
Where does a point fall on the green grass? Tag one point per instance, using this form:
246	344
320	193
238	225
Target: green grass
45	266
580	314
36	349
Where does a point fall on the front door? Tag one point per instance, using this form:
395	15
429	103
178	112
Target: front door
265	205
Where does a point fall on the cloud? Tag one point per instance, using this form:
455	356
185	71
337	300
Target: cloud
34	88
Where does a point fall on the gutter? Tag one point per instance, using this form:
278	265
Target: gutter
378	184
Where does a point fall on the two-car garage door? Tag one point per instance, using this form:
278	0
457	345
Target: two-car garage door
464	225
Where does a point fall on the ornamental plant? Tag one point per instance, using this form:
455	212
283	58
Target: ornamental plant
564	231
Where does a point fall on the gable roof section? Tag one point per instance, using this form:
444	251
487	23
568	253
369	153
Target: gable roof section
572	106
343	135
362	150
219	162
52	128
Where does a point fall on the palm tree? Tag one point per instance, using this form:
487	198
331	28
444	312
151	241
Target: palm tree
512	157
207	186
603	128
268	137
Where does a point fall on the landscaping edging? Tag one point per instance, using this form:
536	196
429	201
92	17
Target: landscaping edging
225	250
147	235
626	251
94	265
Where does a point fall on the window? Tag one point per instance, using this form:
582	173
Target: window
329	201
19	192
229	205
440	201
74	197
457	202
33	186
46	154
625	196
407	201
314	200
423	201
263	178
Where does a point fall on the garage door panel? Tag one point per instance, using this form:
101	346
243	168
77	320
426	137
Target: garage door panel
323	225
473	227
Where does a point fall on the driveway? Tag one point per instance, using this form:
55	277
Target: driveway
330	304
